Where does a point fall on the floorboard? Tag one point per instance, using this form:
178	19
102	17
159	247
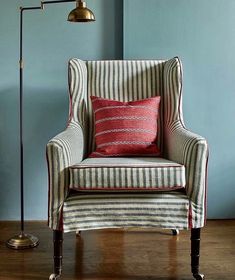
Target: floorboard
121	254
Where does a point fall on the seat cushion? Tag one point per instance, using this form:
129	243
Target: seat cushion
127	174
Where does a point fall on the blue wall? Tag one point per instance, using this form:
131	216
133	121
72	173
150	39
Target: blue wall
49	42
202	34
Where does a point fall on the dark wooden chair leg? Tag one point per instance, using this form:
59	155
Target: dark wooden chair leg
195	253
58	254
175	232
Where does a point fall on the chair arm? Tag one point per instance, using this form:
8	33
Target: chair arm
191	150
65	149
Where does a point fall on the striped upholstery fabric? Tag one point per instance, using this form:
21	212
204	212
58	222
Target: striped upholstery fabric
192	149
123	174
124	81
64	150
96	211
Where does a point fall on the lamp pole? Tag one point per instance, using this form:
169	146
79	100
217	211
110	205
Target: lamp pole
79	14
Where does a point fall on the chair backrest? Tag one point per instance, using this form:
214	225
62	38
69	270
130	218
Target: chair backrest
122	80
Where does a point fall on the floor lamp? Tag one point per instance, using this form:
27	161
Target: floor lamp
80	14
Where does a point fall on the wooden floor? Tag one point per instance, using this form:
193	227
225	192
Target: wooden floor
116	254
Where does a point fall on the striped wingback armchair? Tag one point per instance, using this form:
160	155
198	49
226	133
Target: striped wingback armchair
183	160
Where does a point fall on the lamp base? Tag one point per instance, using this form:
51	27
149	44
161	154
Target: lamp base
22	241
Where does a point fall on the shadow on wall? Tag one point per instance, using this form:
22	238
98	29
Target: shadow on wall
118	15
223	176
112	29
9	141
42	124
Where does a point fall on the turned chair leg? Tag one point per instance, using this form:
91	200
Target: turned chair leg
58	254
195	253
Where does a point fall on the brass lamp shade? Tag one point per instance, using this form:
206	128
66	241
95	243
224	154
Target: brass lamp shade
81	13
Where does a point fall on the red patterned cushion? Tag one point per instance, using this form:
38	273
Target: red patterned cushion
125	128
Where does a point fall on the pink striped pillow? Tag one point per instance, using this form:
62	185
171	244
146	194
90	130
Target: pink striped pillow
125	128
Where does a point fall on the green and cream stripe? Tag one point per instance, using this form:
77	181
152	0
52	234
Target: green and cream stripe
126	210
152	173
64	150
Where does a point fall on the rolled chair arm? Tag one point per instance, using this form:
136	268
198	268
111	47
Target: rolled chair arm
65	149
192	151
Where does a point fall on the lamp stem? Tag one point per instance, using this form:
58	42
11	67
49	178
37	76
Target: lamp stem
21	124
22	240
21	68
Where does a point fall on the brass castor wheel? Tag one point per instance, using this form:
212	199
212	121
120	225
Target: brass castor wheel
54	276
198	276
175	231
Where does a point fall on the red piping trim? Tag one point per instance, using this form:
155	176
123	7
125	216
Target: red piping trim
206	186
125	166
49	182
190	217
112	189
61	224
